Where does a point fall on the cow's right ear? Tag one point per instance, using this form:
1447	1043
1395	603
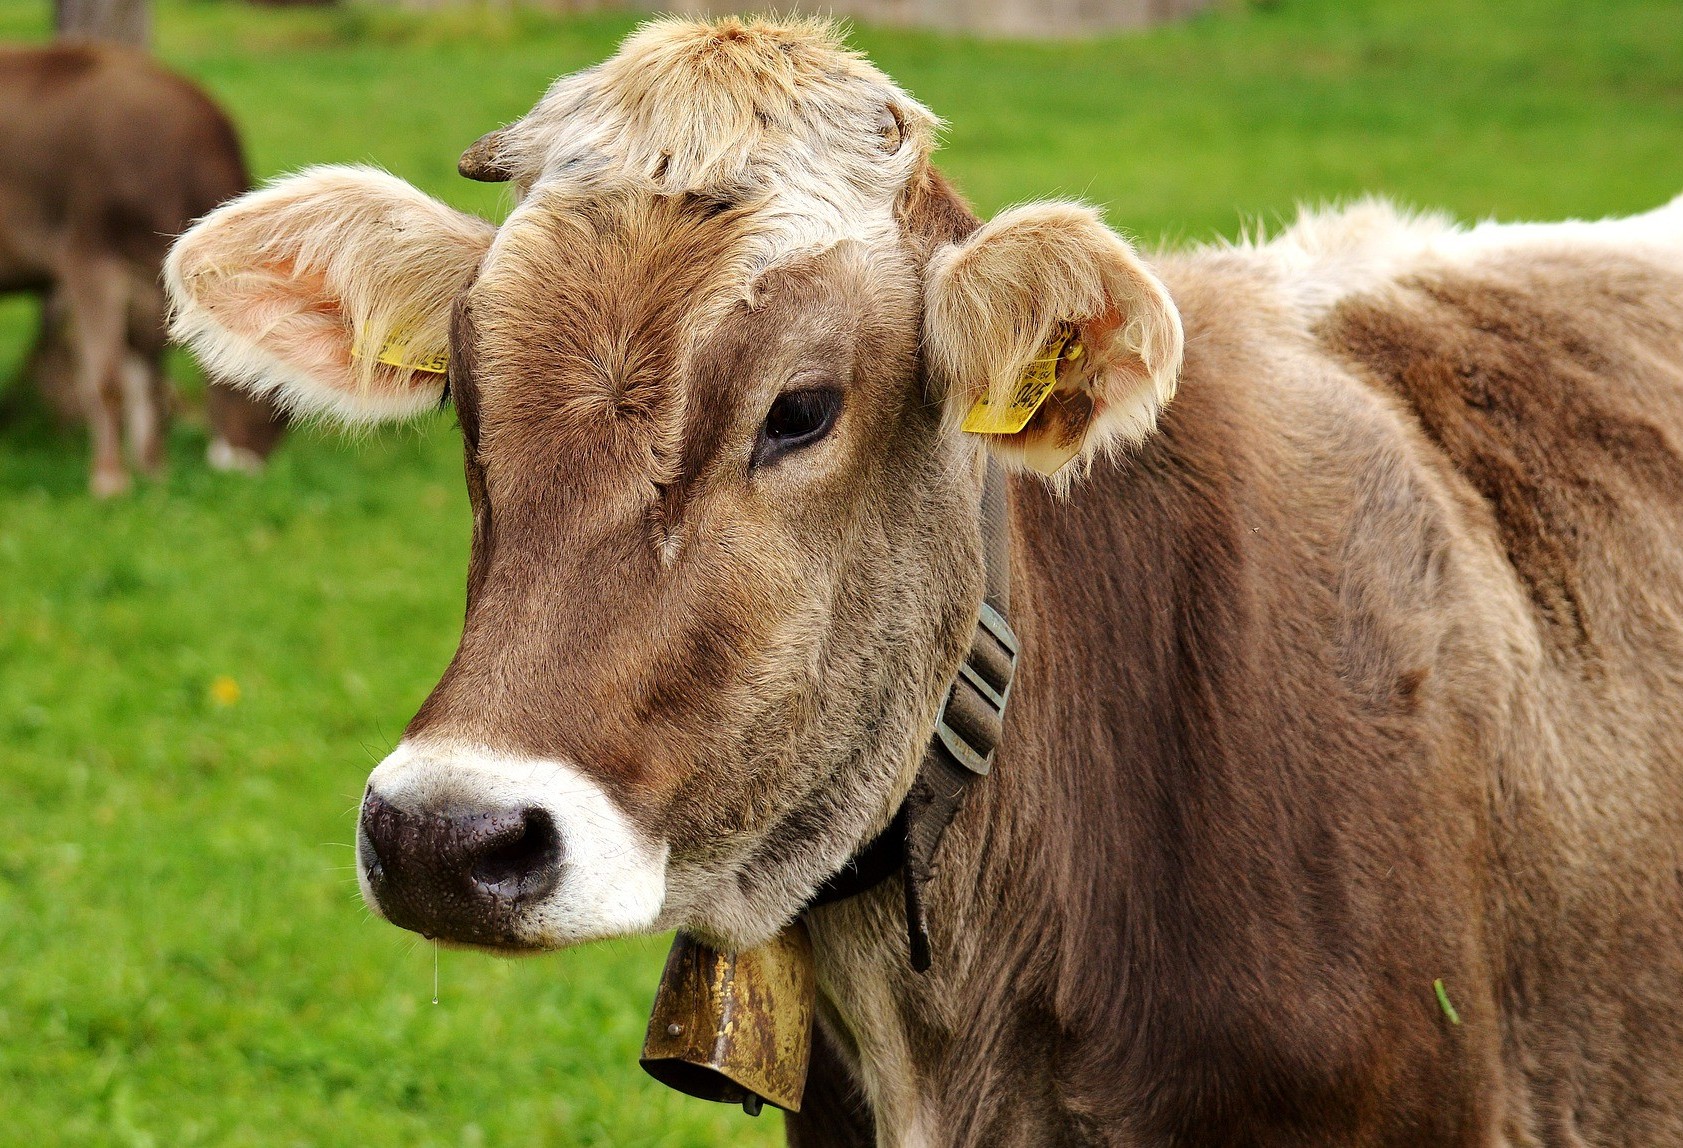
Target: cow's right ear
329	291
1052	339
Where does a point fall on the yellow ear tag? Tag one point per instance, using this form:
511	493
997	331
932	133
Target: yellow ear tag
1031	391
396	352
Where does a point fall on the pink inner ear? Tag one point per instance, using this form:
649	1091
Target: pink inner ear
1099	337
290	317
295	318
1104	326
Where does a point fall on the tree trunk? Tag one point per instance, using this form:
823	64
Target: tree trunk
124	21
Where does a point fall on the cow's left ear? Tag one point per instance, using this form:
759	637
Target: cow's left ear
1052	339
329	291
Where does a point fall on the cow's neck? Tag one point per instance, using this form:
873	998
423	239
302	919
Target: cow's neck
930	1072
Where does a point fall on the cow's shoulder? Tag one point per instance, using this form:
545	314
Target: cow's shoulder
1517	387
1543	363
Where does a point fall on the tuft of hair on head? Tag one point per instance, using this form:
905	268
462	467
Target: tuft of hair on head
736	106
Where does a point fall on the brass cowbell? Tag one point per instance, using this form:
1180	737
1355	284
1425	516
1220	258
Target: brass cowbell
735	1027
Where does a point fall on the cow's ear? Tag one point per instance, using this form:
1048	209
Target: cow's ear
1052	340
330	291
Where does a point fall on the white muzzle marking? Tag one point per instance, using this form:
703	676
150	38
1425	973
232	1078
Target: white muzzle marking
613	879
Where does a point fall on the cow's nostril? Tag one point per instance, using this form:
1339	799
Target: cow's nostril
518	866
460	875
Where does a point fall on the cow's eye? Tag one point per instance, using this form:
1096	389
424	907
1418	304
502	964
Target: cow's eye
797	419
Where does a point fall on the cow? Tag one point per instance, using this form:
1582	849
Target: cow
1339	800
105	157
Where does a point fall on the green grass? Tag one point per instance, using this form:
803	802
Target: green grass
183	959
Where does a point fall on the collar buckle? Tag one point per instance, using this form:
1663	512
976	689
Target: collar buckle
972	719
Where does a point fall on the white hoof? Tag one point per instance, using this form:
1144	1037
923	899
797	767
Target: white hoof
223	455
109	483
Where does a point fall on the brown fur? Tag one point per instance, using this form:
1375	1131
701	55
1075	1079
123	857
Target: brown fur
104	158
584	451
1550	385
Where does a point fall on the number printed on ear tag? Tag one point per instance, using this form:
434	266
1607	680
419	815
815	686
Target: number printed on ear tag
396	352
1031	391
399	355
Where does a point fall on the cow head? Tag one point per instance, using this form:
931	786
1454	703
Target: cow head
710	375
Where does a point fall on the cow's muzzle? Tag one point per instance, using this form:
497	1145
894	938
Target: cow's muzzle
459	875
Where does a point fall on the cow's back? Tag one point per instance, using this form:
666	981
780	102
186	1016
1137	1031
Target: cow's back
1377	646
100	147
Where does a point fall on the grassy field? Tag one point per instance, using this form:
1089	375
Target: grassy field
194	682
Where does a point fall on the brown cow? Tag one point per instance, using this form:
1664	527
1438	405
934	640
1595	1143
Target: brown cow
1352	670
104	158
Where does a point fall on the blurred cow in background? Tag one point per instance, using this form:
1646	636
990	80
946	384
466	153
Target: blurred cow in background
104	158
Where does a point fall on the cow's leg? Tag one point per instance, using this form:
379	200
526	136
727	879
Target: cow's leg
51	364
143	413
146	399
95	290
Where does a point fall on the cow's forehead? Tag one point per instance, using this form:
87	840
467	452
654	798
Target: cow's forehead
587	308
780	114
563	261
630	324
